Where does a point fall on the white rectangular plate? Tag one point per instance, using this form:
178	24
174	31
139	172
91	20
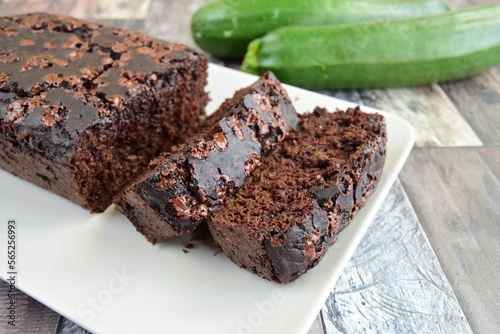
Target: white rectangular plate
96	270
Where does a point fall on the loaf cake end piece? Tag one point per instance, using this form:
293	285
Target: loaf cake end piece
84	107
291	209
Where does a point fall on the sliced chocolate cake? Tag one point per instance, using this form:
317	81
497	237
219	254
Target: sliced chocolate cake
84	107
291	209
184	187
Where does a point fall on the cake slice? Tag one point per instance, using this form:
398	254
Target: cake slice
291	209
84	107
184	187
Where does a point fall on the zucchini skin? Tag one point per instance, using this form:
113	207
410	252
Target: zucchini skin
224	28
397	53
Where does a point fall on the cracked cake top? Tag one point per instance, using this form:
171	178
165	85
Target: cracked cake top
60	75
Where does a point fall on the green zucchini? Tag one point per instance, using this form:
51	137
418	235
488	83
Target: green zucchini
225	27
406	52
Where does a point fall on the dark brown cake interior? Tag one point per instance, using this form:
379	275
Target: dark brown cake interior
285	216
278	194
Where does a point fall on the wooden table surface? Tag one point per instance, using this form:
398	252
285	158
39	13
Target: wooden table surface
429	262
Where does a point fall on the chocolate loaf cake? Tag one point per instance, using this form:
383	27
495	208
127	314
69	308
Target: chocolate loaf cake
84	107
290	210
184	187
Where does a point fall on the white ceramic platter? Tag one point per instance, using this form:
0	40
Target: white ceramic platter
96	270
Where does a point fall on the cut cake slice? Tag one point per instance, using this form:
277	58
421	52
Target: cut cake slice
290	210
184	187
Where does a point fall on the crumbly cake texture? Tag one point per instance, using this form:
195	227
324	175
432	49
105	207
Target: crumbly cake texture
84	107
290	210
184	187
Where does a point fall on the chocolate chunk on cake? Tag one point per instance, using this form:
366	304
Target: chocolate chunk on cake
184	187
84	107
291	209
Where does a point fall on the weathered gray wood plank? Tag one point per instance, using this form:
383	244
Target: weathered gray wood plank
478	99
31	316
20	7
68	327
436	120
491	157
460	4
456	196
317	326
348	95
394	282
168	21
480	2
80	9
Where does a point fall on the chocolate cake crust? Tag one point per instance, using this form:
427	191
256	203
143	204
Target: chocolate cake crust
84	107
290	211
184	187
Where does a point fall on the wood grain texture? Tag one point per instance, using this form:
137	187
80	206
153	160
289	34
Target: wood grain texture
15	7
80	9
347	95
164	17
68	327
491	157
461	4
121	10
436	120
394	282
456	196
31	316
317	326
459	211
478	100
